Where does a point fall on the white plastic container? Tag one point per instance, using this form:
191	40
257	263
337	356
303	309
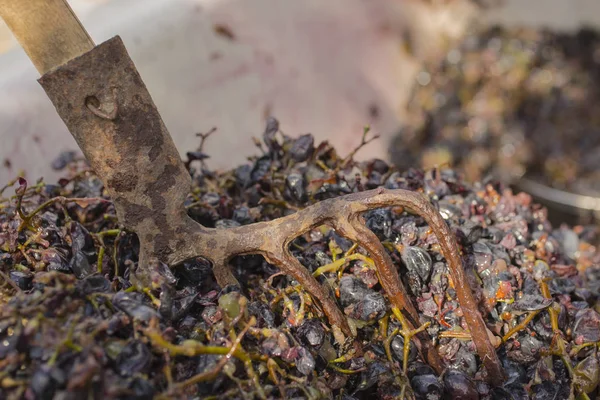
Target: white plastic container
328	68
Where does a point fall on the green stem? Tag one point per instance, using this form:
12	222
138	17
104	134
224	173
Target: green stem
520	326
100	258
158	340
68	343
109	232
192	348
337	264
346	371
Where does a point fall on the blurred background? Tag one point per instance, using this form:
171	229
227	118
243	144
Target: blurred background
431	77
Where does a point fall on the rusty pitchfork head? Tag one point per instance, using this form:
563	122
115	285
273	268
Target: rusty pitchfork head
100	96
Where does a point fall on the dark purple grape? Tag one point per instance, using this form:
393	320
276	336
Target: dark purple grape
371	306
586	327
593	273
320	259
427	387
561	286
260	169
305	363
196	156
93	284
379	166
302	148
529	351
134	358
397	347
56	259
469	233
494	235
165	273
6	259
483	388
187	326
408	231
465	361
417	261
419	368
341	241
23	279
51	191
568	240
499	252
369	377
8	343
45	381
352	290
311	332
205	363
193	272
459	386
586	295
435	188
396	181
380	222
374	180
133	304
295	188
269	135
242	176
242	215
509	392
515	372
482	257
88	187
211	198
166	302
63	159
80	266
531	302
449	211
558	387
141	389
328	190
264	315
182	305
51	233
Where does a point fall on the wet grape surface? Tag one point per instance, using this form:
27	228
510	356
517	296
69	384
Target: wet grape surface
510	101
74	323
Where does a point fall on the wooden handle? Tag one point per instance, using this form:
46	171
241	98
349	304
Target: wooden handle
48	31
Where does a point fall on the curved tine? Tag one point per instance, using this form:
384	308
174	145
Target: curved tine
421	206
223	274
390	281
474	319
291	266
139	276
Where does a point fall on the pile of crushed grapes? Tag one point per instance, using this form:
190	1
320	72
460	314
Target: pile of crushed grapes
73	325
510	102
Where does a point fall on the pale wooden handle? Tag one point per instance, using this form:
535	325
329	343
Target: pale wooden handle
48	31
